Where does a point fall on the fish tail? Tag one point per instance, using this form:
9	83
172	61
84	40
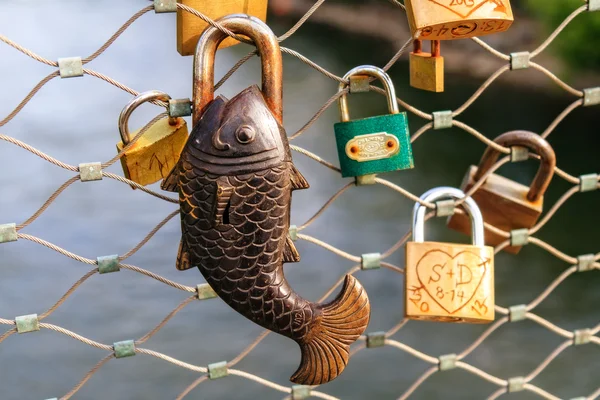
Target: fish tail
325	350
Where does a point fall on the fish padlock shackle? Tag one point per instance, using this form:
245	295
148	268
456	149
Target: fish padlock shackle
270	56
533	142
138	100
375	72
443	192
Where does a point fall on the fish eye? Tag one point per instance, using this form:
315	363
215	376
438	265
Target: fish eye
245	134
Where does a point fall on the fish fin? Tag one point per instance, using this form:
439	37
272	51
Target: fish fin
290	253
171	182
298	181
222	203
183	257
325	352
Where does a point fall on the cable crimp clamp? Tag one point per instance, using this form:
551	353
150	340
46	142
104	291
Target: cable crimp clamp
516	384
180	108
585	262
519	153
293	232
588	182
364	180
300	392
370	261
90	171
582	336
205	291
165	6
360	84
591	96
519	237
107	264
27	323
520	60
375	339
217	370
8	233
70	67
445	208
126	348
447	361
442	119
517	313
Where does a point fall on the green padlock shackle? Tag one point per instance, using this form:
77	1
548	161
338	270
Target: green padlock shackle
375	72
135	103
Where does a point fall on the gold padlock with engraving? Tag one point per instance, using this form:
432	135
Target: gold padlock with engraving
155	153
427	69
189	27
449	282
457	19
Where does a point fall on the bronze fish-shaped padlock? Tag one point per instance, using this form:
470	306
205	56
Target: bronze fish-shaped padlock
235	178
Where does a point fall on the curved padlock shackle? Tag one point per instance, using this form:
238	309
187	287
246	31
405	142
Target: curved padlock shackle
443	192
532	141
268	49
135	103
375	72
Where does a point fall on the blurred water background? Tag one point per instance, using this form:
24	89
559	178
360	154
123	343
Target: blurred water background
75	120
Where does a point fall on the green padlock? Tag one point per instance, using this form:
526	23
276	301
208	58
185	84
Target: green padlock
373	145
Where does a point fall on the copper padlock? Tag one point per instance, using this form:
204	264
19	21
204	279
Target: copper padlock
506	204
155	153
189	27
427	69
449	282
457	19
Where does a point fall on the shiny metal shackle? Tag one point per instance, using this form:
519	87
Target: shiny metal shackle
478	230
375	72
135	103
203	90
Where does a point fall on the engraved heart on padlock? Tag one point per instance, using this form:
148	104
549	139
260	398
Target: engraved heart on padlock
464	8
454	282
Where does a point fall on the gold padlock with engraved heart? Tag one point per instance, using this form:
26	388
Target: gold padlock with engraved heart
457	19
448	282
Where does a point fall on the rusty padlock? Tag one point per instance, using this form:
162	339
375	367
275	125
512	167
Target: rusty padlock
504	203
457	19
427	69
189	27
156	152
449	282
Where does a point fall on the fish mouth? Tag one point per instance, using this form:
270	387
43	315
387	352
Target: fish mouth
234	161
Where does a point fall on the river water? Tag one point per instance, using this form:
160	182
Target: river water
75	120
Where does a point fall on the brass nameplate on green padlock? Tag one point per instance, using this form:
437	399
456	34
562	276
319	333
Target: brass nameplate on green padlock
377	144
374	146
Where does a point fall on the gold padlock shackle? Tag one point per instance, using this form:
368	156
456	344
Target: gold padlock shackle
268	50
135	103
533	142
375	72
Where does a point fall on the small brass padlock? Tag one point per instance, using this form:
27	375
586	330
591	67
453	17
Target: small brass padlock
457	19
377	144
506	204
427	69
449	282
156	152
189	27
